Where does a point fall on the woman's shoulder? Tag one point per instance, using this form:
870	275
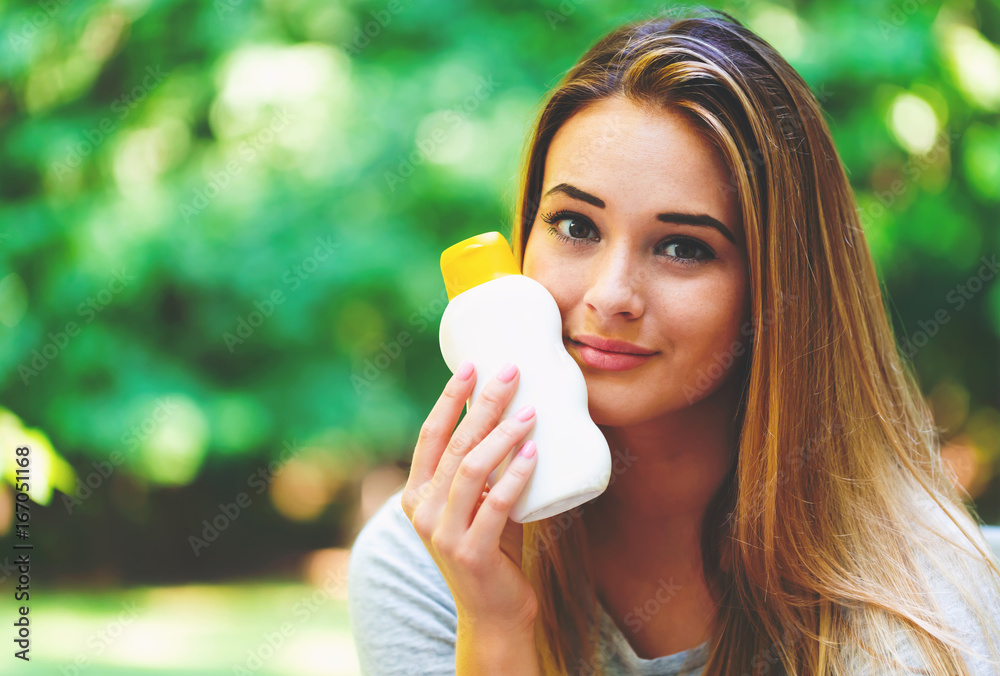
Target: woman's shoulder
963	581
960	582
401	610
389	555
388	538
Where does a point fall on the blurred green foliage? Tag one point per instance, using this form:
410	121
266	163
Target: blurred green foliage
220	223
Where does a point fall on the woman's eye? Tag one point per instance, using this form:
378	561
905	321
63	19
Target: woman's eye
576	231
686	250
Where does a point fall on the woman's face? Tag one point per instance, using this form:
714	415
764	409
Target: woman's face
638	238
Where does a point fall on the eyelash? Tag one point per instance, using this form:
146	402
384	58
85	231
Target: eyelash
552	218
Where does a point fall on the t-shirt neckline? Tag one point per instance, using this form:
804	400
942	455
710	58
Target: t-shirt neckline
666	664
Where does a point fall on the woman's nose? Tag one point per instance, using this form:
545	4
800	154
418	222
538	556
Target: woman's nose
614	285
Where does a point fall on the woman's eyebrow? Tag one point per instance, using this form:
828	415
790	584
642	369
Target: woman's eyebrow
576	193
677	217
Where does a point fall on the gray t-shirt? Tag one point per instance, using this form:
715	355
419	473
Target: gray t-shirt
404	621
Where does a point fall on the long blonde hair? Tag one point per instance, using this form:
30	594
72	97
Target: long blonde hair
837	501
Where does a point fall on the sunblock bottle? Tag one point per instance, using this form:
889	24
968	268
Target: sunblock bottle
497	315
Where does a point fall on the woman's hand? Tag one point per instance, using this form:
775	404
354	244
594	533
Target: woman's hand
463	523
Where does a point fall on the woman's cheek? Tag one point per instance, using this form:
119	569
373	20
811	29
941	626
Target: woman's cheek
716	349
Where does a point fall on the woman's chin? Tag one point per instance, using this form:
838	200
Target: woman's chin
618	415
622	409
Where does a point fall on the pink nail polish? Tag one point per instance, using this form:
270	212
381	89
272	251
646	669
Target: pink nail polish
465	370
507	372
525	413
528	450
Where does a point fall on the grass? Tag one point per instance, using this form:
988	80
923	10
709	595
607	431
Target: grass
261	629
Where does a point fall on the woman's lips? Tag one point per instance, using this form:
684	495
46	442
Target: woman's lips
608	361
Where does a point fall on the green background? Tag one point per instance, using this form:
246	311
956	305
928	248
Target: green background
220	226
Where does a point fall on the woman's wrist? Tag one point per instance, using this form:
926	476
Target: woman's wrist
486	648
491	626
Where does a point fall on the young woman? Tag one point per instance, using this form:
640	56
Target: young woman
778	503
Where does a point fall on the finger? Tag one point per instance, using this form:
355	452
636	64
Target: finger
470	479
491	519
482	418
437	428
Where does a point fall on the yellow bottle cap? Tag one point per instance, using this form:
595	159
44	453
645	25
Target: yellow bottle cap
476	260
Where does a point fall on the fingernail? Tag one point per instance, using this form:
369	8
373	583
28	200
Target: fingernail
507	372
465	370
525	413
528	450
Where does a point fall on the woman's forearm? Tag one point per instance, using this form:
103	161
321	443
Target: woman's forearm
483	652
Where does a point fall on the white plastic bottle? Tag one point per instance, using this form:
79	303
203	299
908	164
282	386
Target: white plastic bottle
497	315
